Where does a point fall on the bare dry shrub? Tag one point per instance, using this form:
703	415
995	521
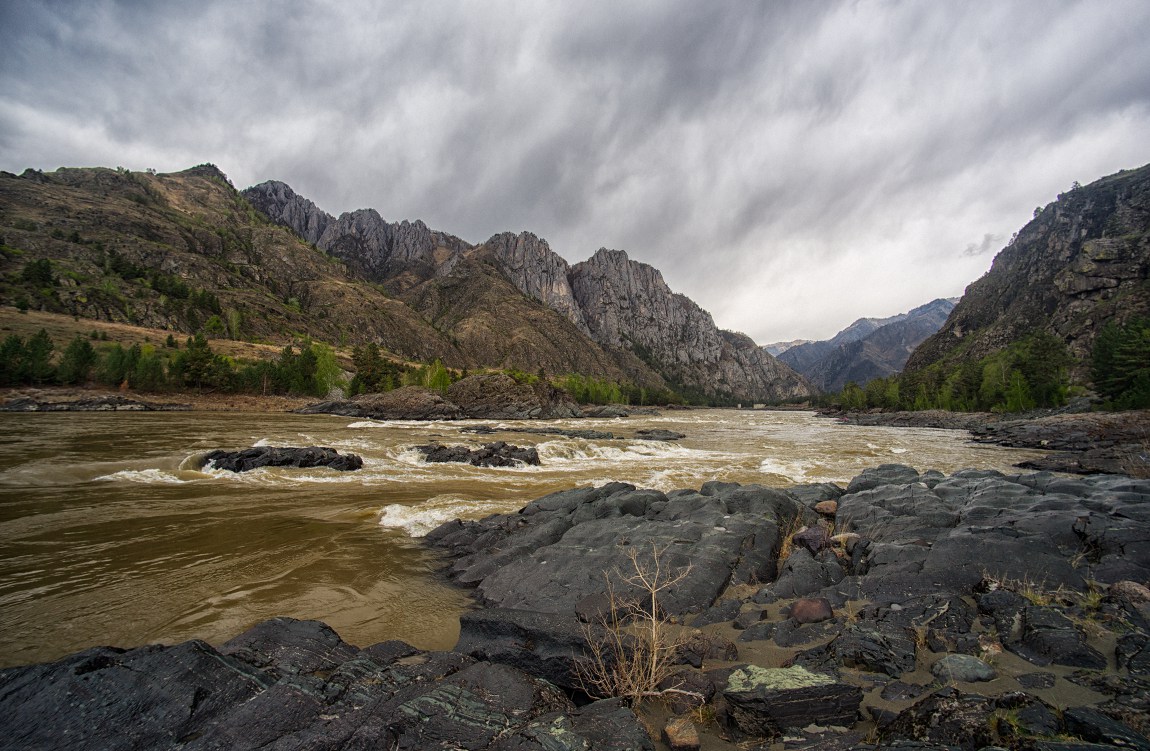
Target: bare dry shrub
631	651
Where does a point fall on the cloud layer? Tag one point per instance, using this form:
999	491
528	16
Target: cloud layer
790	166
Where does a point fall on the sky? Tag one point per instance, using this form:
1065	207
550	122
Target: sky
790	166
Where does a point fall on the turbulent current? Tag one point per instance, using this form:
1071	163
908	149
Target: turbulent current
109	534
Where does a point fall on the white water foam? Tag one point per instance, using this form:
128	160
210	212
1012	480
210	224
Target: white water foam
795	471
417	520
146	476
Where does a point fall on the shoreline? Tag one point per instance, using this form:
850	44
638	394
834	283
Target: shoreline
966	597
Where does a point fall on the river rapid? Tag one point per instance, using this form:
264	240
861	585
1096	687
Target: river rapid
110	535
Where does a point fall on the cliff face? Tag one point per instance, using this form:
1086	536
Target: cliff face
625	307
1082	262
537	271
867	349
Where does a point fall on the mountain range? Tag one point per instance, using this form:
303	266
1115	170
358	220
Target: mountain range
180	250
867	349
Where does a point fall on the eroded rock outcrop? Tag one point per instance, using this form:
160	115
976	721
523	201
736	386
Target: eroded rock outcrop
293	684
627	305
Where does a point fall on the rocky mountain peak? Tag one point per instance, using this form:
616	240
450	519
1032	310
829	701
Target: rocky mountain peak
537	271
281	204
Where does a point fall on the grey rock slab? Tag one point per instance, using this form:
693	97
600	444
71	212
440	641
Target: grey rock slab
962	668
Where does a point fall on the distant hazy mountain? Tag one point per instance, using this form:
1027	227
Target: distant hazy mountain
867	349
777	348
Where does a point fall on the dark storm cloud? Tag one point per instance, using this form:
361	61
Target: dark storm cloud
769	157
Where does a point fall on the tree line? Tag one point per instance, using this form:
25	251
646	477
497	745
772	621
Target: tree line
1031	373
310	371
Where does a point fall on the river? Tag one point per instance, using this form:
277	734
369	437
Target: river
109	535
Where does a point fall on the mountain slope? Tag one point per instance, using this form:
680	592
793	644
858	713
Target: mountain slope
625	307
1084	260
867	349
172	251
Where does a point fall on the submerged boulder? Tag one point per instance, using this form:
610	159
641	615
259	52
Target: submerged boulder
272	456
497	454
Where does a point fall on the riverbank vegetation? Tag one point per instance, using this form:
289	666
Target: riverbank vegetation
153	361
1034	373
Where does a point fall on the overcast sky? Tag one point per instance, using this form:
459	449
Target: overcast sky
789	166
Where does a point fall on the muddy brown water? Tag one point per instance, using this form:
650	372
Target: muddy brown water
110	535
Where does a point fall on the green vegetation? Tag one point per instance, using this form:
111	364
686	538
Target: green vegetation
1120	364
1028	374
310	371
1032	373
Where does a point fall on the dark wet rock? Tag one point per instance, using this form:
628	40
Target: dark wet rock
295	685
272	456
803	574
1133	653
886	474
658	434
700	647
606	410
1050	637
1032	681
791	633
285	646
469	709
590	435
90	404
497	454
967	721
727	610
761	631
748	618
899	691
100	699
762	702
545	645
862	646
498	396
555	552
1091	725
406	403
962	668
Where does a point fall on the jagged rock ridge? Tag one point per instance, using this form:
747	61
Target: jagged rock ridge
1084	260
867	349
623	305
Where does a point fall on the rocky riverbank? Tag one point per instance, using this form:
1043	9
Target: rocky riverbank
906	610
1085	442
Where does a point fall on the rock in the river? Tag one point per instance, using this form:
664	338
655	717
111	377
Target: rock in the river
90	404
272	456
658	434
407	403
498	396
497	454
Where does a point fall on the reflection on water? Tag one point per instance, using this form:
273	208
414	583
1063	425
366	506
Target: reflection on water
110	535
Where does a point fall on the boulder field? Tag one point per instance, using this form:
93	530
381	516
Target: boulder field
907	610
